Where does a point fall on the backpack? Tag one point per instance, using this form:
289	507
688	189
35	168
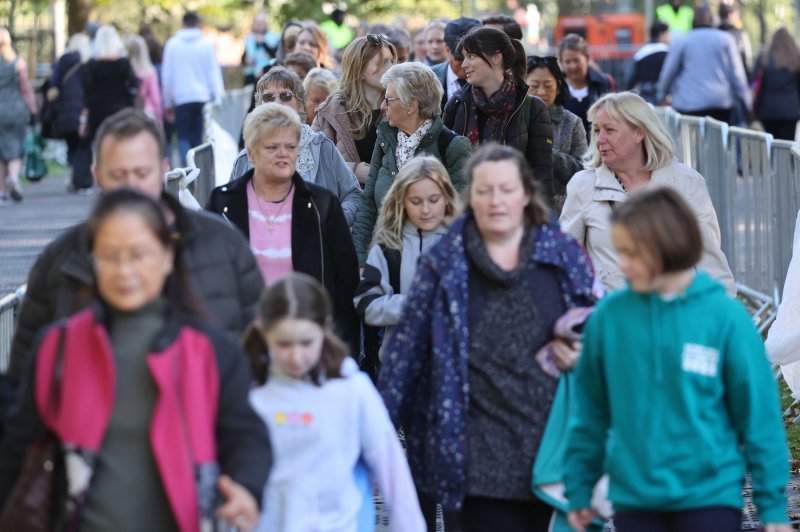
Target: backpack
393	258
446	136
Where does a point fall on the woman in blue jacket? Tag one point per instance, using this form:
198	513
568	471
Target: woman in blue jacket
459	373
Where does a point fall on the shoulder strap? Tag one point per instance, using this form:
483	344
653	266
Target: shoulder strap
70	73
393	258
446	136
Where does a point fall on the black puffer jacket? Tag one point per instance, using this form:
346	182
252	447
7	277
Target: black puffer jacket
67	78
529	130
221	268
322	246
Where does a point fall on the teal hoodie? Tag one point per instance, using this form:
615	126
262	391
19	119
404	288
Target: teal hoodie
675	401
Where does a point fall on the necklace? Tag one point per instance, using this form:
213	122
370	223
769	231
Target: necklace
271	219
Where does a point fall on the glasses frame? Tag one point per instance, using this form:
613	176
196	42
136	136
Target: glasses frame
388	101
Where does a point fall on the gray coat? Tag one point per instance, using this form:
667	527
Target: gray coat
569	145
330	171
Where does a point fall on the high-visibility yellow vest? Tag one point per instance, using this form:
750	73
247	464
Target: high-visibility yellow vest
680	21
340	36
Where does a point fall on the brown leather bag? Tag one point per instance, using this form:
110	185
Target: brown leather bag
34	503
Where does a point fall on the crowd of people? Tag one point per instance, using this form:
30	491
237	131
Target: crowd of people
477	281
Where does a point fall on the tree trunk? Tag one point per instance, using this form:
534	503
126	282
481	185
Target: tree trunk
78	15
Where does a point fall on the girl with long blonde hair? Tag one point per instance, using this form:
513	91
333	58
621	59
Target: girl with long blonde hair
349	117
415	214
149	89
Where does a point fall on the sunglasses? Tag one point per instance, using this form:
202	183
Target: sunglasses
535	60
377	39
285	96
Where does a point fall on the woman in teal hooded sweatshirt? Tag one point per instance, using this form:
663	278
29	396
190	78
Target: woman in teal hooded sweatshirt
675	396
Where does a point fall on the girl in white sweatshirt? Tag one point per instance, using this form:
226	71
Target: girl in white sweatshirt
324	417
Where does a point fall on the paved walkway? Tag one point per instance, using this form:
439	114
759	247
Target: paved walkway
27	227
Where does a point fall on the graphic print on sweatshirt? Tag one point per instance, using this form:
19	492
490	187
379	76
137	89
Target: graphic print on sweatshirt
700	359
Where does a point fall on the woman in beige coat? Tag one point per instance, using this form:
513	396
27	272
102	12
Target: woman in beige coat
630	150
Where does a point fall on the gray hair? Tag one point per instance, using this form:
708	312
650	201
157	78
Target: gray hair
107	43
79	42
415	81
320	77
268	118
630	108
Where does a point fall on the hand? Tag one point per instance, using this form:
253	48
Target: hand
169	114
240	508
778	527
580	519
566	353
362	172
82	129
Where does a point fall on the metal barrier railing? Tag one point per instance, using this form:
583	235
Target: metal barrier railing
9	307
230	111
754	184
202	158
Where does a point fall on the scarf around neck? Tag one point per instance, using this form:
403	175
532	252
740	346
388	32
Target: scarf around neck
497	107
408	144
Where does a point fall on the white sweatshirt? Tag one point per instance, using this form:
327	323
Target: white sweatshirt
318	434
190	72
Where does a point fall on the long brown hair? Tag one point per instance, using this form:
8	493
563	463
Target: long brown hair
296	296
355	59
784	51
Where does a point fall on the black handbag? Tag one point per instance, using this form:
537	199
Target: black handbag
34	504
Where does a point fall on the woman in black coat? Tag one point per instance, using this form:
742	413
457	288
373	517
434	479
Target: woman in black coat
67	99
292	225
495	106
777	102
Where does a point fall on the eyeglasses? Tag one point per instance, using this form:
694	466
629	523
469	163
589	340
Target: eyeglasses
136	258
285	96
377	39
388	101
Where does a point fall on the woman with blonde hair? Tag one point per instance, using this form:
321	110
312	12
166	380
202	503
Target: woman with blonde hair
109	82
631	150
18	105
350	116
777	103
149	88
415	214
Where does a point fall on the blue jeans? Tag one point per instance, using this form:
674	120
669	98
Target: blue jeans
188	127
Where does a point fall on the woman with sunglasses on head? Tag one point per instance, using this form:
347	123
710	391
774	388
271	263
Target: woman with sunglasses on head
494	105
350	116
547	81
318	160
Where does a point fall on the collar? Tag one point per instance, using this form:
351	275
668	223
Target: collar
606	186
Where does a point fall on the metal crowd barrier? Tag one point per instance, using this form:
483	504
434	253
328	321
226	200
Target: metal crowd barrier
9	307
754	184
231	110
202	157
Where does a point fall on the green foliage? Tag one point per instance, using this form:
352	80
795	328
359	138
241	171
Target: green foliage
792	429
372	10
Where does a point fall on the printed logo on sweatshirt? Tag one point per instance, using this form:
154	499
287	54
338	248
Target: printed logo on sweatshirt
294	418
700	359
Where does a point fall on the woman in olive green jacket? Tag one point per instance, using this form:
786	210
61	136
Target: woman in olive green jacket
412	106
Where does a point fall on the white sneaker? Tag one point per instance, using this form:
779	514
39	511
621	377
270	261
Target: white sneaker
15	190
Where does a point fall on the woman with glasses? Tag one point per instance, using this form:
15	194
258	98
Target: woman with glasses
547	81
350	116
494	105
292	225
149	404
413	127
318	160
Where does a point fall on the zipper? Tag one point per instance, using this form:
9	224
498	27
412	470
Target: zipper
512	117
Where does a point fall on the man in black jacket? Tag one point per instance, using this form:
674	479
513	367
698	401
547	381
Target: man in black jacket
130	151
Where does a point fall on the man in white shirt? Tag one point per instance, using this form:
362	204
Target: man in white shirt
450	73
191	77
